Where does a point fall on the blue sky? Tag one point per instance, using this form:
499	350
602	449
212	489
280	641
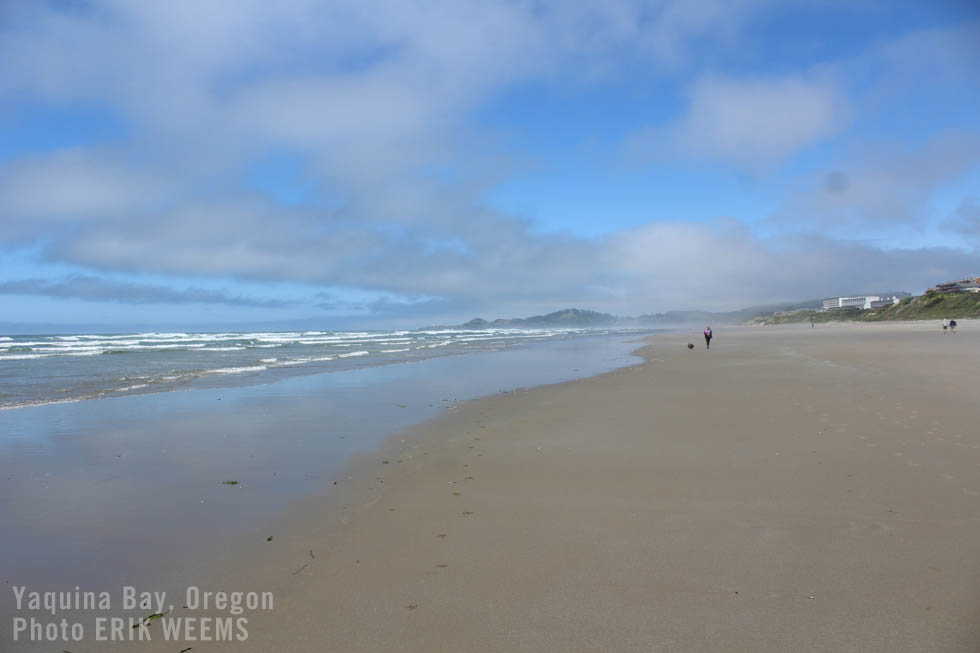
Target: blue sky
221	164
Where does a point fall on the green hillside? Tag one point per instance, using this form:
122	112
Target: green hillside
930	306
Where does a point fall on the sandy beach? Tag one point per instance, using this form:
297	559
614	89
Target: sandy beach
366	327
792	489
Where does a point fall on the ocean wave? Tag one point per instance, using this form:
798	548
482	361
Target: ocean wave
306	359
41	402
90	344
353	353
131	387
172	360
236	370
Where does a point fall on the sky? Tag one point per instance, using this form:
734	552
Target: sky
220	164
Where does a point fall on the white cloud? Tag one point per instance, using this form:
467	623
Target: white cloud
966	221
881	184
919	62
750	123
74	185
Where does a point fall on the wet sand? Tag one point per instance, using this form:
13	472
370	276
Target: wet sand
792	489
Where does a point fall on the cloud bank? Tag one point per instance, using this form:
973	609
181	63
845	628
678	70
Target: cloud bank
376	106
95	289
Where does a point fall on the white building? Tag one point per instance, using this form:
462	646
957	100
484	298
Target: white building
883	301
867	301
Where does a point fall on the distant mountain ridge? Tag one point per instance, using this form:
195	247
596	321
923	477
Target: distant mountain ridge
569	317
582	318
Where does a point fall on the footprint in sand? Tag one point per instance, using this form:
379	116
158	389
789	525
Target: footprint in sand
467	513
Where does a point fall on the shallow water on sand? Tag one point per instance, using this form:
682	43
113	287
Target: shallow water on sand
104	492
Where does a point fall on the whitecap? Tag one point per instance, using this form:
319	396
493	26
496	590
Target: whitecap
237	370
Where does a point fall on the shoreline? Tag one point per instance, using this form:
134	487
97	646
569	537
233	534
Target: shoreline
653	507
131	490
189	365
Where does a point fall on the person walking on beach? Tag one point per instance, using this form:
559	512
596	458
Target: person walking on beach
945	325
707	337
952	327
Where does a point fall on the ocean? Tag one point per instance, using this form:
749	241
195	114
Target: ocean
72	367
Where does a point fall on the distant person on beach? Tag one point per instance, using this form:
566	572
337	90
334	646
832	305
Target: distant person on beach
952	327
707	337
945	325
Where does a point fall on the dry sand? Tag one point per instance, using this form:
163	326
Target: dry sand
792	489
